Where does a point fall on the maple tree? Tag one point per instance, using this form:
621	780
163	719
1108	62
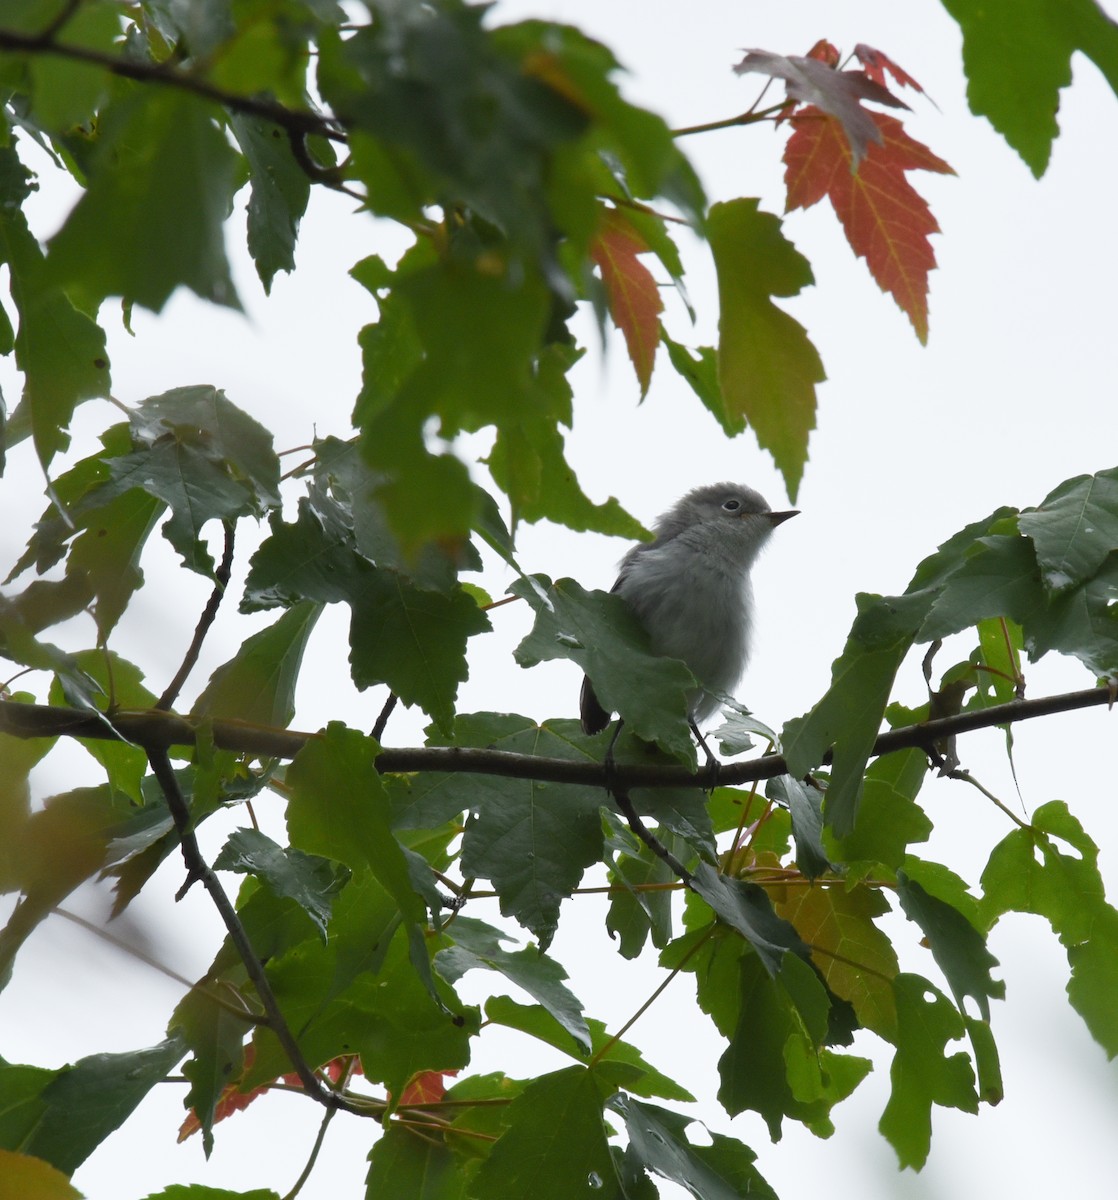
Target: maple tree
524	185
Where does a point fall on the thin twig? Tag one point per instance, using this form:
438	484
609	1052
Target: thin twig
477	1102
121	944
221	581
1014	659
612	1041
621	798
330	177
746	118
198	869
417	1116
738	852
6	684
612	889
637	206
499	603
295	471
431	1139
305	1174
793	879
381	721
964	776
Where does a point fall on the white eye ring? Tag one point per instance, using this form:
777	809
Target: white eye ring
731	505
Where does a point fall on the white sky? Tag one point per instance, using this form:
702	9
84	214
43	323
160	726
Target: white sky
1014	393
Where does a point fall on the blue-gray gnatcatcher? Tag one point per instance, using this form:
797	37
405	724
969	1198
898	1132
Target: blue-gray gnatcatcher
690	590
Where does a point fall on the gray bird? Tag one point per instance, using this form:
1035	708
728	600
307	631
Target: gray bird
690	590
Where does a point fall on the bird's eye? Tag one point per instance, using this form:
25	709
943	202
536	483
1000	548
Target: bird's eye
731	505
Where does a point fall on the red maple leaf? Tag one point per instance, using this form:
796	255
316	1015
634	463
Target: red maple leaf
425	1087
814	79
825	52
632	293
233	1100
875	63
886	221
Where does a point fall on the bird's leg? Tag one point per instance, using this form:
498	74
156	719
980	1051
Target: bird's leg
608	761
625	805
712	762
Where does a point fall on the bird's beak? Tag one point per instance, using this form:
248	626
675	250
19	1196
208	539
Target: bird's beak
780	517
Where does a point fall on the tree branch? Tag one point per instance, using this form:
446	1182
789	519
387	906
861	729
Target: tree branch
63	18
198	868
156	730
294	120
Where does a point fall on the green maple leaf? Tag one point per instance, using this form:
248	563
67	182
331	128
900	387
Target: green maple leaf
767	367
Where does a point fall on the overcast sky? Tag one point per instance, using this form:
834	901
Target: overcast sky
1014	393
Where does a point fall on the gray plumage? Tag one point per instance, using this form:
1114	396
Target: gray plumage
690	589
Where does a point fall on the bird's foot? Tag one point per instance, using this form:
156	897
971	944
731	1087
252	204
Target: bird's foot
713	766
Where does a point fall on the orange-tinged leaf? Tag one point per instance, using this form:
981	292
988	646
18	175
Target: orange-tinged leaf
233	1100
855	957
30	1178
877	64
886	221
634	298
550	69
425	1087
825	52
